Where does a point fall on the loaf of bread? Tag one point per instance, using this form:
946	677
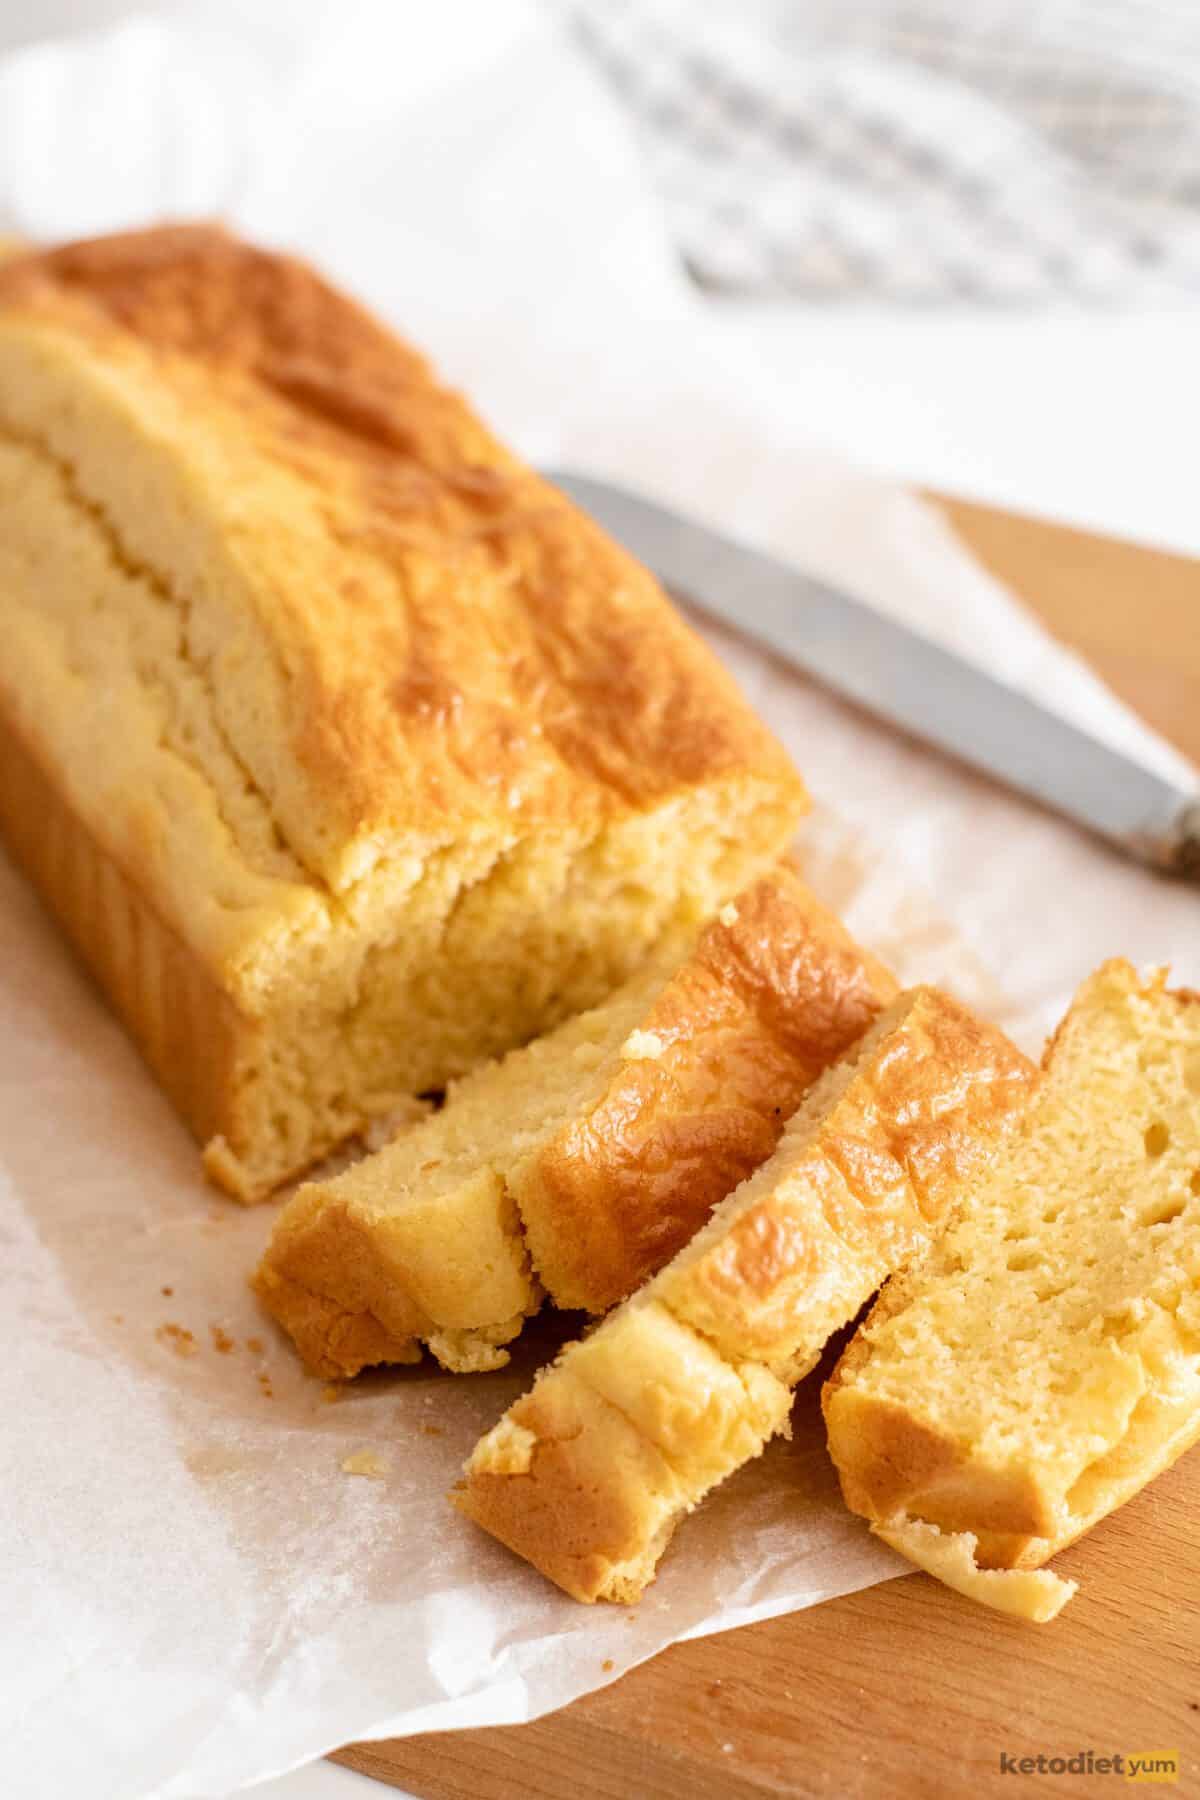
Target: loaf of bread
582	1162
588	1474
347	751
1042	1363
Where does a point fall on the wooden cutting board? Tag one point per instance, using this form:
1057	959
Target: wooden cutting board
906	1689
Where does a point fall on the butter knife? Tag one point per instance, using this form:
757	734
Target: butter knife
905	679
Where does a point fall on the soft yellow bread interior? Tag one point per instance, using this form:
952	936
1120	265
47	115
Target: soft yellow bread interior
702	1360
605	1144
391	740
1043	1361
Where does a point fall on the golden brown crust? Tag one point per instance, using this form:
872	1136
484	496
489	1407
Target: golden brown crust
188	1030
491	656
334	1342
772	995
888	1164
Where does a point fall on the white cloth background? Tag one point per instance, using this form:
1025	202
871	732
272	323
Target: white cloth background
919	149
195	1596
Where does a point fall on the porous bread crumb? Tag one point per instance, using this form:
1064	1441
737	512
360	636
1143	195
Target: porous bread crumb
393	1124
728	915
176	1338
364	1462
642	1046
507	1450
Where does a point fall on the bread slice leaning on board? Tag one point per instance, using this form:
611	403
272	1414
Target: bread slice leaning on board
579	1164
348	752
589	1473
1042	1362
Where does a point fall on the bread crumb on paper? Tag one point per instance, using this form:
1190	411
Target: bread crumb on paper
264	1382
255	1345
607	1664
364	1462
222	1342
332	1392
177	1338
209	1461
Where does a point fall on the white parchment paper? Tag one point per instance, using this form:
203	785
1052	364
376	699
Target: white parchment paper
194	1594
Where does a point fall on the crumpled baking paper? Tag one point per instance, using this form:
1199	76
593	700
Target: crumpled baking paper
196	1593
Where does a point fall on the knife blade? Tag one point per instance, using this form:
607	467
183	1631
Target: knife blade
904	679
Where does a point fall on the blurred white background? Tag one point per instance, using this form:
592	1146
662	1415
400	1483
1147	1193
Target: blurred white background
1082	410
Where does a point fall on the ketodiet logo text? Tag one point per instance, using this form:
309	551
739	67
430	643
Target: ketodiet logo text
1162	1765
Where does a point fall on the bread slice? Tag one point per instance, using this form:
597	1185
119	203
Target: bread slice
348	752
421	1243
1042	1363
582	1162
588	1474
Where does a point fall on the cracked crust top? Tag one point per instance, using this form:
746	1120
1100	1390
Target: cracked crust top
413	638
